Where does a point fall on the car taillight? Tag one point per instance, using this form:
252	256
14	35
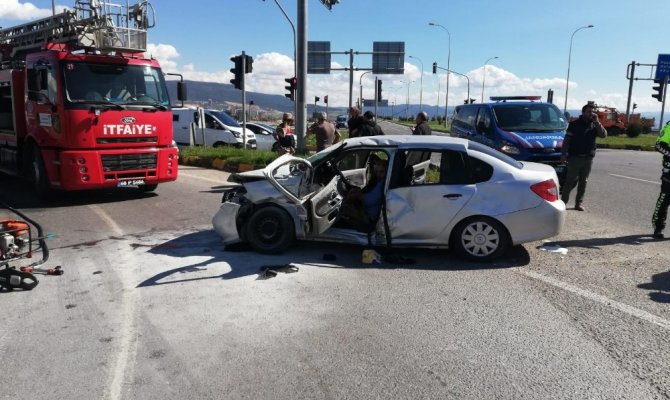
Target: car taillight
546	189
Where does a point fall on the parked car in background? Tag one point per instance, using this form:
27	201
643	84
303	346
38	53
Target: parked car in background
264	135
211	128
439	192
341	121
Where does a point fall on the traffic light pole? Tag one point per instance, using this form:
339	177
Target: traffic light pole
244	101
665	92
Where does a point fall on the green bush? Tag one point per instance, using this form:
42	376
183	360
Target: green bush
634	130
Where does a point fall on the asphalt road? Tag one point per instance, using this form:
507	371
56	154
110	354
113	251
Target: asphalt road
151	306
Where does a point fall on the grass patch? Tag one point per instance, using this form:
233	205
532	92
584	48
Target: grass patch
643	142
206	154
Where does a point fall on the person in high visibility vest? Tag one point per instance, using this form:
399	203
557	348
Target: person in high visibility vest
661	210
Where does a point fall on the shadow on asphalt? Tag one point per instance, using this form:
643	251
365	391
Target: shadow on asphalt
595	243
22	196
660	284
245	262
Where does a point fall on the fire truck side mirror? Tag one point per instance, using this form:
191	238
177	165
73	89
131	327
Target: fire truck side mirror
181	91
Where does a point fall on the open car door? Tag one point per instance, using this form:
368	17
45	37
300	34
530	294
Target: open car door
294	178
325	206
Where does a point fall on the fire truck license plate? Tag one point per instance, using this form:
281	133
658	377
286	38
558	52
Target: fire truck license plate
131	182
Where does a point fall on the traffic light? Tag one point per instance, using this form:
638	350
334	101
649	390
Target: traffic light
237	72
379	90
316	99
435	68
325	99
634	106
550	96
658	89
249	64
292	85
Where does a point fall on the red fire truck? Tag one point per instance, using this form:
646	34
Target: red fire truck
80	105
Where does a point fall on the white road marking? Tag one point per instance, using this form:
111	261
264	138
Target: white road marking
127	340
635	179
202	178
105	217
606	301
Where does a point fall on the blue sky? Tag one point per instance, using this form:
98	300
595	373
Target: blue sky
530	37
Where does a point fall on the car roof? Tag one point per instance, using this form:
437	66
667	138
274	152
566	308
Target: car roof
409	141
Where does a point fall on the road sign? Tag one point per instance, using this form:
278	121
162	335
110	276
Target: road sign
662	66
371	103
388	58
318	57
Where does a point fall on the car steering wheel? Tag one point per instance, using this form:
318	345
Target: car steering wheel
343	185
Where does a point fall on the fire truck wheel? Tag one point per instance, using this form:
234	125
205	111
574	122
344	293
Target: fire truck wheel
147	188
614	131
38	174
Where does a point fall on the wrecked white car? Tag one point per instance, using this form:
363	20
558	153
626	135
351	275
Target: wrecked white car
438	192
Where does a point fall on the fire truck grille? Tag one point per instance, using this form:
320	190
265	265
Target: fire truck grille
126	162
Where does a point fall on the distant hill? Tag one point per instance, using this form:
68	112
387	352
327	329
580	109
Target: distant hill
220	93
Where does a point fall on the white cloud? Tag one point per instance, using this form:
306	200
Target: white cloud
270	70
13	10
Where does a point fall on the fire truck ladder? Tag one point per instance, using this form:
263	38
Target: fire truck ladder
92	24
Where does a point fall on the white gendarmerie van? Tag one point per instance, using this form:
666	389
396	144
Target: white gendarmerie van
197	126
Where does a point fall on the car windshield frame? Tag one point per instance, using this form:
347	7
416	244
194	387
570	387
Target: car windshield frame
529	117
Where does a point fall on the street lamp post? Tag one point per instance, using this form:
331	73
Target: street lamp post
360	83
484	78
446	101
421	87
567	80
407	99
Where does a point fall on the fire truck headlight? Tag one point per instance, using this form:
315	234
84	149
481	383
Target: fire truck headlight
84	178
81	160
83	170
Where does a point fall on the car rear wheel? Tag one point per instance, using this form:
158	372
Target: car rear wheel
480	239
269	230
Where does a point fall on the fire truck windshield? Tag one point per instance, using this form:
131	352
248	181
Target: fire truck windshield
90	83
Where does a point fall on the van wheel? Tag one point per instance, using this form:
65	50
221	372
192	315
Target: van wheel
220	144
480	239
269	230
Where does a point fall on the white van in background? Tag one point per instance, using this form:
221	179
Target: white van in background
195	126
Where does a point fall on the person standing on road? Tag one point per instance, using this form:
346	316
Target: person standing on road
368	126
284	135
422	127
661	210
354	122
325	132
579	148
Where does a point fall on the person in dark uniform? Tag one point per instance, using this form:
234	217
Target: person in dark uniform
368	126
579	148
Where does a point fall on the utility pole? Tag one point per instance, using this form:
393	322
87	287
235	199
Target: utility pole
301	108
